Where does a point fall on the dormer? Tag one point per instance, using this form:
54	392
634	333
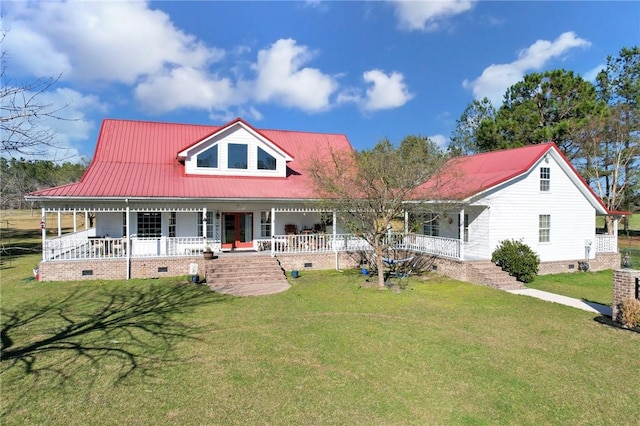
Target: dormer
236	149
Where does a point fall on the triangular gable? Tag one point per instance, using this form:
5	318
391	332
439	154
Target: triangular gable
229	127
470	177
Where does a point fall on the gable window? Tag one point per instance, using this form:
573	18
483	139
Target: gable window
544	228
430	225
545	179
149	225
210	224
237	158
209	158
266	161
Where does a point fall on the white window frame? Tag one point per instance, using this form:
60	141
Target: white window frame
430	225
544	228
545	179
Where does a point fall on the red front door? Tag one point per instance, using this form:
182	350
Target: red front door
237	230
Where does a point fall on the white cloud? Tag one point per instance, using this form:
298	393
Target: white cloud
385	91
282	79
496	79
186	88
111	41
440	140
593	73
68	122
129	45
428	15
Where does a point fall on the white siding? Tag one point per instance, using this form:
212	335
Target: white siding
479	233
109	223
514	210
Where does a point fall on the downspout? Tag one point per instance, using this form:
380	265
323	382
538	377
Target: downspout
461	230
335	242
128	247
43	230
273	227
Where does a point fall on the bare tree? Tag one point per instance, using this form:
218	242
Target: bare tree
372	188
23	113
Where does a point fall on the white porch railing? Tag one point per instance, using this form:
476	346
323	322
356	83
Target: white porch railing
316	243
440	246
76	247
83	246
606	243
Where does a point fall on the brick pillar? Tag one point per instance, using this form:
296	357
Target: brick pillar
624	287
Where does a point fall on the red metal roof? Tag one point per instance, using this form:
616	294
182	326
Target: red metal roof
470	175
466	176
138	159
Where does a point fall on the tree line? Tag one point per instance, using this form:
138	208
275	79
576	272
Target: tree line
20	176
596	125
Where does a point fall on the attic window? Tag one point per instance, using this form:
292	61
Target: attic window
545	179
265	160
237	158
209	158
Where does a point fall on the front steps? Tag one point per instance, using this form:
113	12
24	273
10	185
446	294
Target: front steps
245	275
489	274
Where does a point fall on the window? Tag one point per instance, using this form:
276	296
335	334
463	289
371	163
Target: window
209	158
172	224
545	178
210	224
430	225
544	228
124	224
149	225
466	228
265	224
265	160
237	158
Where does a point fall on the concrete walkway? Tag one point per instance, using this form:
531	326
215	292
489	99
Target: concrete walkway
564	300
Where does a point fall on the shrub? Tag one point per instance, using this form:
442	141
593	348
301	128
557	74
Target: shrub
630	312
517	259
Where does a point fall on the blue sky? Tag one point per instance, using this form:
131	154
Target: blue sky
369	70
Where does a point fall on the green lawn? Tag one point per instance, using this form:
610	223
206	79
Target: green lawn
328	351
590	286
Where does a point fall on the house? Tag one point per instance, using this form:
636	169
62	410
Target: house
160	193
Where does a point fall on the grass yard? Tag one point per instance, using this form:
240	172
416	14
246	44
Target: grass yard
327	351
590	286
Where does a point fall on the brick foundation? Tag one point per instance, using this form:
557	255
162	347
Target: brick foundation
603	261
319	261
154	267
116	269
624	287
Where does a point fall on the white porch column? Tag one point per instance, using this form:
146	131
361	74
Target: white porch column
461	225
273	228
406	222
86	220
75	221
128	246
59	223
335	242
43	229
204	225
